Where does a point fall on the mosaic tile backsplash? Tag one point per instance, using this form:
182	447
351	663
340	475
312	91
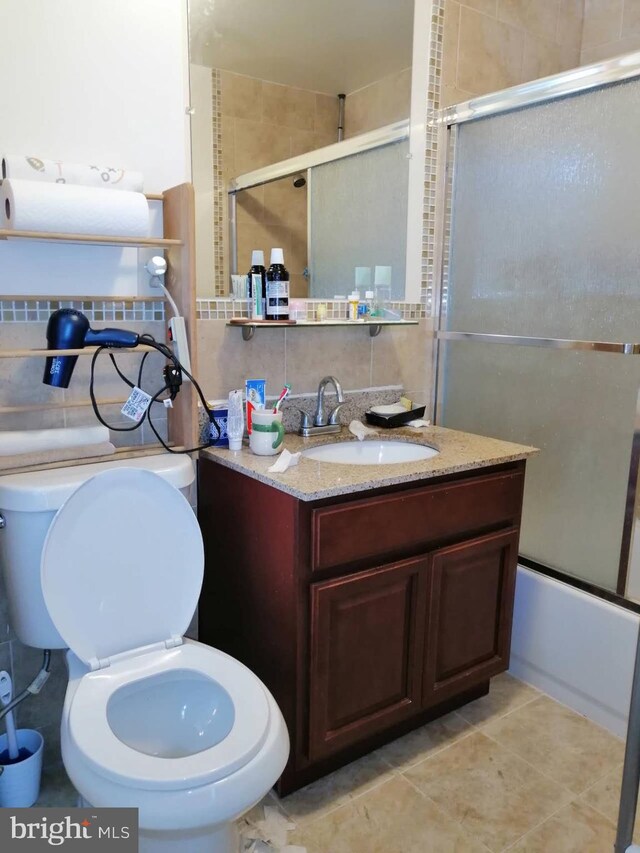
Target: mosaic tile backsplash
225	309
33	310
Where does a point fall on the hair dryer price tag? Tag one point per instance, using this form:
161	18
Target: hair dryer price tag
136	405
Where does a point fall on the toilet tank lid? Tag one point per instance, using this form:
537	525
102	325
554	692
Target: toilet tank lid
38	491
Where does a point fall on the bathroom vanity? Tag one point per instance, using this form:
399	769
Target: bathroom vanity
370	599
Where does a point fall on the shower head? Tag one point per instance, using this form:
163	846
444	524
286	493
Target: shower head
299	181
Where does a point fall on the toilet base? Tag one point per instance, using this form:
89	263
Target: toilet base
225	839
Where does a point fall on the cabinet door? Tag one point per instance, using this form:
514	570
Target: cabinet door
366	649
468	633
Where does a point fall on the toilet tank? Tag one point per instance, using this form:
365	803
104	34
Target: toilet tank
28	503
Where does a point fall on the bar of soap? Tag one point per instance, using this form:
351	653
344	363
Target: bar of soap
406	402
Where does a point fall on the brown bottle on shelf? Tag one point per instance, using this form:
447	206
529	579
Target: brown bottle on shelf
277	288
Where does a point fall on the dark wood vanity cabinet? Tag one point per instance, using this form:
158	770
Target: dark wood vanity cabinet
366	615
366	637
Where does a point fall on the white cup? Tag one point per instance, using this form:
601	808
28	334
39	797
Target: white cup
267	432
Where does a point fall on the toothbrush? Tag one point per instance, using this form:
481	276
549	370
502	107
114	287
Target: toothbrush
6	694
284	393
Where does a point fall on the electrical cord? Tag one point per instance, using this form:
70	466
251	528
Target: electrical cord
173	380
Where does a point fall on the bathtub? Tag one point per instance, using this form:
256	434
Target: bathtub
574	646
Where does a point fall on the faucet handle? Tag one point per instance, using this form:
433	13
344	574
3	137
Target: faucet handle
305	420
333	417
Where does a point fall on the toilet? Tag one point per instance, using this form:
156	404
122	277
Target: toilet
181	731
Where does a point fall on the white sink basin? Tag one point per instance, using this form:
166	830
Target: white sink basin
370	452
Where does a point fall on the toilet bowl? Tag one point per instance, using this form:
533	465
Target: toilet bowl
181	731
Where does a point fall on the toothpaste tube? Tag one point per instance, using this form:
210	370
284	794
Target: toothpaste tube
255	392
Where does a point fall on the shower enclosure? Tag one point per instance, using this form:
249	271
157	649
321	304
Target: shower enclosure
539	324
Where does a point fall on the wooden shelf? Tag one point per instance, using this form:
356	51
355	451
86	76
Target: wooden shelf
44	353
68	404
374	326
178	217
90	239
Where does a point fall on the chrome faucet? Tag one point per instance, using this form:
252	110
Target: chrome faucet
322	423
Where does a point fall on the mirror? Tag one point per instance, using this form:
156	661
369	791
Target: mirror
279	160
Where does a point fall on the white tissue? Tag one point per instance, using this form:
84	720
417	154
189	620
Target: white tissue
39	440
270	834
284	461
418	424
67	209
59	172
358	429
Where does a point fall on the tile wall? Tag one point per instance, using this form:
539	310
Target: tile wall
611	27
493	44
379	103
219	199
398	356
263	123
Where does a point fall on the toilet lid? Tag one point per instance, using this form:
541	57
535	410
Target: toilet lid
122	564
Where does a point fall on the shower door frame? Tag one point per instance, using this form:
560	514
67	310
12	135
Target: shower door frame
575	82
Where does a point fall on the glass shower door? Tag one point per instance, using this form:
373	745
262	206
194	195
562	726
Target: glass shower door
545	252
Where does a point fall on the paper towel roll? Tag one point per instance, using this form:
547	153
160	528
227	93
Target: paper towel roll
33	206
39	440
58	172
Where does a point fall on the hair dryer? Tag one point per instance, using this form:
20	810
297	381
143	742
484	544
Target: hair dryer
69	329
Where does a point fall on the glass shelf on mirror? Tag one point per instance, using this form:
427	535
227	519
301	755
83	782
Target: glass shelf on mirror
374	326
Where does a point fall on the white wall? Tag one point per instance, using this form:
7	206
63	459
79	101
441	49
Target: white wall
93	81
574	646
202	158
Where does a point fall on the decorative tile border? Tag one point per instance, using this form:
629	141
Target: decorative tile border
33	310
336	309
431	178
30	310
219	194
448	213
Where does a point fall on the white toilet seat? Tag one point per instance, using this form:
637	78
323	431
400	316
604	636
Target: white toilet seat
92	735
122	565
121	572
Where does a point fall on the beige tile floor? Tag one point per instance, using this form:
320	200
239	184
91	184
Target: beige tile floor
514	770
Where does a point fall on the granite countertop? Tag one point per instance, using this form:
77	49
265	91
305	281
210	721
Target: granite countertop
311	480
